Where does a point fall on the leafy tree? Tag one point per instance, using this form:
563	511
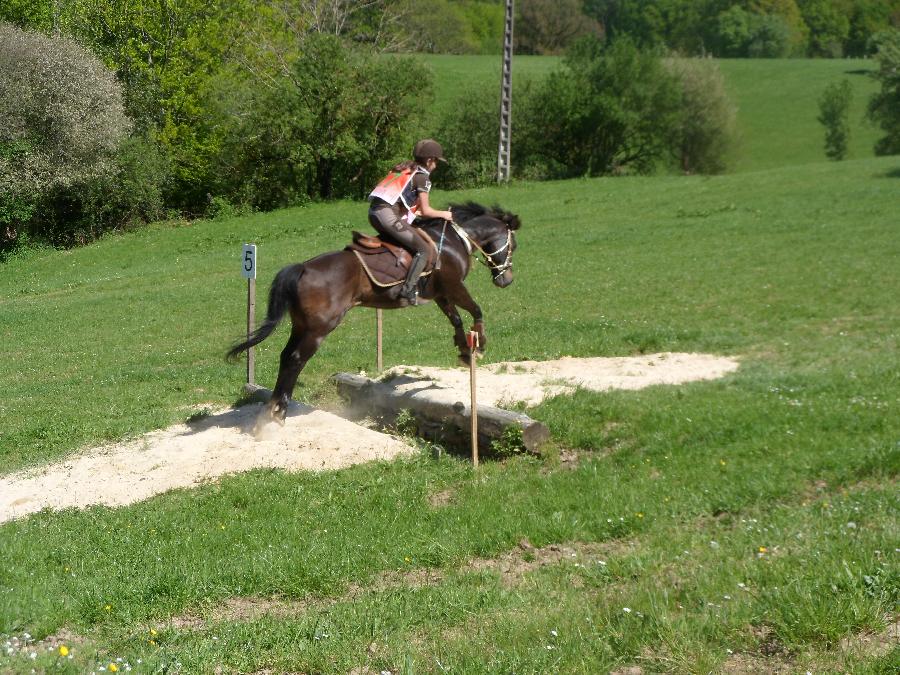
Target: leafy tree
829	25
867	19
834	112
610	109
771	37
469	132
550	26
789	19
884	106
706	128
324	127
735	30
455	26
61	121
744	33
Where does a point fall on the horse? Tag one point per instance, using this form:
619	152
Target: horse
318	293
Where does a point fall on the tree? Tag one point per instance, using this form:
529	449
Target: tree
611	109
550	26
884	106
744	33
829	26
61	121
323	128
706	128
834	111
787	14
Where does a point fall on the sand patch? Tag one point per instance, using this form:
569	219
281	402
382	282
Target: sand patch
189	454
530	382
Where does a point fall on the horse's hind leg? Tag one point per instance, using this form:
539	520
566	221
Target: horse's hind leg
300	348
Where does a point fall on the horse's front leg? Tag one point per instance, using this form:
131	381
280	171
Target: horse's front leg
459	335
462	298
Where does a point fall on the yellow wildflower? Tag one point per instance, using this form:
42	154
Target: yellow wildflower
63	650
113	667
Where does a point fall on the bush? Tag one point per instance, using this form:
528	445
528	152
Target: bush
61	122
611	109
550	26
469	132
706	127
884	106
454	26
324	129
743	33
834	110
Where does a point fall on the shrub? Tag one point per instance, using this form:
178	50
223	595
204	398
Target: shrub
550	26
743	33
326	128
61	121
611	109
834	110
706	127
884	106
469	132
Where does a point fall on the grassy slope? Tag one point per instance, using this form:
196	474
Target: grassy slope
777	101
794	271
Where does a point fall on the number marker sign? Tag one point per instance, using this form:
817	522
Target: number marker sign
248	261
248	271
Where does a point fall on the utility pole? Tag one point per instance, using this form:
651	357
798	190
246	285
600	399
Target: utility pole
505	96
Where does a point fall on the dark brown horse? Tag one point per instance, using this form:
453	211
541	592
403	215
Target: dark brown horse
319	292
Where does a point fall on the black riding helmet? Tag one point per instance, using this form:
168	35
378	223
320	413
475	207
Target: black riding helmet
428	148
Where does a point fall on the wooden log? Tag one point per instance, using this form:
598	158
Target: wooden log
438	411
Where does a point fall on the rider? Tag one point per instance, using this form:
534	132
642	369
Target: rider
399	198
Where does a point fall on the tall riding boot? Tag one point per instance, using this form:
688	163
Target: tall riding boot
410	289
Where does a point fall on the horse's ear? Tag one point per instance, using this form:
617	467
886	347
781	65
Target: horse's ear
512	221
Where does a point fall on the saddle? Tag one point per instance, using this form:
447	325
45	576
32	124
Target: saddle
387	263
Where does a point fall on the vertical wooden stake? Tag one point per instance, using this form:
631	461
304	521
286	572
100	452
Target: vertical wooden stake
251	321
472	339
379	322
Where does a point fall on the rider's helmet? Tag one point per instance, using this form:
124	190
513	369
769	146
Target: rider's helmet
426	149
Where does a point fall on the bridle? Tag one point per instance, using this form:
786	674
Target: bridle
488	261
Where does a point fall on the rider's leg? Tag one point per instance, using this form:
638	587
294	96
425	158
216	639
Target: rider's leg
386	222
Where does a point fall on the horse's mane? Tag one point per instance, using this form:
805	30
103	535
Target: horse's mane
470	210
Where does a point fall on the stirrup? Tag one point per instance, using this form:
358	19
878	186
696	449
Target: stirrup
411	296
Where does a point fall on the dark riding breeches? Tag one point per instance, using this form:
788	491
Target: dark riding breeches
385	219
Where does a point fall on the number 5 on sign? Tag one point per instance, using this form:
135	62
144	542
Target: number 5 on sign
248	261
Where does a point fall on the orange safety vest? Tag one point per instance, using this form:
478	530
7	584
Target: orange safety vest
397	185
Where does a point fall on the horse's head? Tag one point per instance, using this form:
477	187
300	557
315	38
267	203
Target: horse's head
493	233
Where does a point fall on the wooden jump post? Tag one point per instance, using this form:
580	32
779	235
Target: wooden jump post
472	340
379	340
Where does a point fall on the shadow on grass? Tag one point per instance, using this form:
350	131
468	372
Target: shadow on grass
891	173
860	71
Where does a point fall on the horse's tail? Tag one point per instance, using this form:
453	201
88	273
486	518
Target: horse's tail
282	296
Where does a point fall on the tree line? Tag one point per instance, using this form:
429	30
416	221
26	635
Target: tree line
118	113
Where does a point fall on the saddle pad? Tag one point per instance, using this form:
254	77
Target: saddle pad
386	263
384	269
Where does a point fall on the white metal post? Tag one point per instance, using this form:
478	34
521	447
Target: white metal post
505	97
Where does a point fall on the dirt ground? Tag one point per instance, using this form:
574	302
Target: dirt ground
224	442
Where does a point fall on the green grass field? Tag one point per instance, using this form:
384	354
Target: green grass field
742	525
777	101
